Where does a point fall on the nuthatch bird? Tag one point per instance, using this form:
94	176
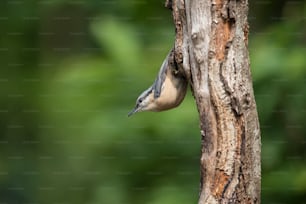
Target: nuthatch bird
168	90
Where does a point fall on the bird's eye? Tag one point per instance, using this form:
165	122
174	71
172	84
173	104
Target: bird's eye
140	100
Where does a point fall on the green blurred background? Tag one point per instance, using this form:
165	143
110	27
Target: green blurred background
70	73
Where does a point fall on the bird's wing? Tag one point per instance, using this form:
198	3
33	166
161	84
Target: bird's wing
161	76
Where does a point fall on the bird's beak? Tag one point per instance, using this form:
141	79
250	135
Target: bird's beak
135	110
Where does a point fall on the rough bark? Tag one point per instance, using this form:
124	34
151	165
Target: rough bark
211	47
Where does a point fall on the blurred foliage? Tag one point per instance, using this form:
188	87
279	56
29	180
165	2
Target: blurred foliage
71	71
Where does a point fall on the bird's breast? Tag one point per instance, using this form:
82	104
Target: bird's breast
172	94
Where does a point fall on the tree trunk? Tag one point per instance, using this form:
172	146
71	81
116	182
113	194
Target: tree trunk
211	47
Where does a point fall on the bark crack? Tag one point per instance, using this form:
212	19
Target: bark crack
220	184
235	103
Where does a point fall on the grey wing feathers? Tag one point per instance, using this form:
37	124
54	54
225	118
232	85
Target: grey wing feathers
160	78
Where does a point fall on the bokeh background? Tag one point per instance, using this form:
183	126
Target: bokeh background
70	71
